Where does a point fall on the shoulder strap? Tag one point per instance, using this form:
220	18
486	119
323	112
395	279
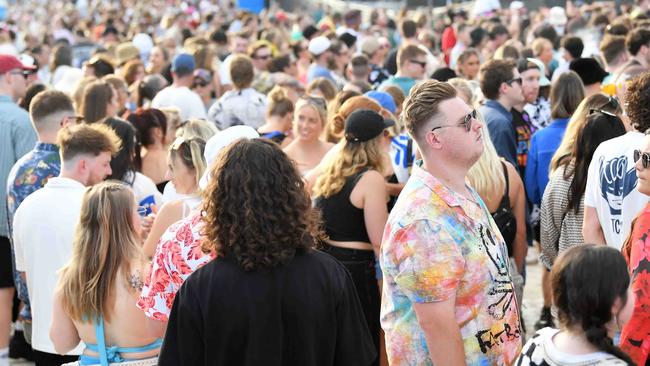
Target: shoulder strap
506	197
101	342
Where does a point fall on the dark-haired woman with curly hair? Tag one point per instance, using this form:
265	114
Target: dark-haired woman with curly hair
268	297
592	294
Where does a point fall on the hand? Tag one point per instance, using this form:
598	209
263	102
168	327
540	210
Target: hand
147	222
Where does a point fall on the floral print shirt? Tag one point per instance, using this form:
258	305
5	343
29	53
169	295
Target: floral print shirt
28	175
177	256
438	243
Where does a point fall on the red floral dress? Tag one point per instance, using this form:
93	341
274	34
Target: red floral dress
635	338
177	256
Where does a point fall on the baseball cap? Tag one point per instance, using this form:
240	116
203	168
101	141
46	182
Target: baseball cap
183	64
10	62
218	142
364	125
557	16
543	80
369	45
384	99
319	45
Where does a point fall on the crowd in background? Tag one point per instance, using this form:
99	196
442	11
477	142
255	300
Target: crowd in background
189	182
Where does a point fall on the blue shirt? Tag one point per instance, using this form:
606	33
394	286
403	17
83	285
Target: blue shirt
403	82
316	71
502	132
17	137
543	145
29	174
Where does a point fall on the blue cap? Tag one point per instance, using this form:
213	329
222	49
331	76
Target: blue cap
384	99
183	64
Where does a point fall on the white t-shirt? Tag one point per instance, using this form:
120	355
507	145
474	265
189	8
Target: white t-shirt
612	186
183	98
224	71
44	227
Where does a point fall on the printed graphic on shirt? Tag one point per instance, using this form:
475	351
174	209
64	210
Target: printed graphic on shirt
615	184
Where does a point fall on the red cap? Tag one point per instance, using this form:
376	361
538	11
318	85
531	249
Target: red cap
9	62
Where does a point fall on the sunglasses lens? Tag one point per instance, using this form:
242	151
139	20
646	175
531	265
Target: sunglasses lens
637	155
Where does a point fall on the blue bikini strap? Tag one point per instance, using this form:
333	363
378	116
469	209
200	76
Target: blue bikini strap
101	342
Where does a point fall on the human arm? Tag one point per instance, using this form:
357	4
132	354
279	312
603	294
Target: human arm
438	322
518	203
375	211
63	333
592	232
169	213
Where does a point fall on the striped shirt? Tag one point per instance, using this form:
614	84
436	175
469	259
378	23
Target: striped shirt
17	138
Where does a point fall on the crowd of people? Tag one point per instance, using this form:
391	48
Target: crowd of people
189	183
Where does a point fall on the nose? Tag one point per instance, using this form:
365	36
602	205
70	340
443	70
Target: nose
109	171
477	123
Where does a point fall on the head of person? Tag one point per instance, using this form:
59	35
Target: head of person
567	91
249	182
594	302
285	64
340	54
158	58
151	125
119	85
30	93
638	43
590	72
99	101
182	69
133	71
199	128
507	51
360	67
310	118
464	90
280	107
99	66
106	242
500	80
51	110
599	126
363	148
613	50
242	72
336	126
239	43
322	88
261	53
86	151
149	87
572	47
498	34
530	79
202	84
319	48
61	56
637	99
468	63
13	77
186	164
127	161
543	50
408	29
412	61
398	97
443	126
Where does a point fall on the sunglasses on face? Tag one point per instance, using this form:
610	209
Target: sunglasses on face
421	63
515	80
262	57
645	158
466	122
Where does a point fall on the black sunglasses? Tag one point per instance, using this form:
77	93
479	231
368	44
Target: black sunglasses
423	64
466	123
645	158
515	80
315	100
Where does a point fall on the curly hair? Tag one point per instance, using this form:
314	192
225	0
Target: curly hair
256	207
637	102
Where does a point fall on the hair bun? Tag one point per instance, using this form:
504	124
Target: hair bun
277	94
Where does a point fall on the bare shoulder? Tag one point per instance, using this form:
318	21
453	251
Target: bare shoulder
171	209
372	178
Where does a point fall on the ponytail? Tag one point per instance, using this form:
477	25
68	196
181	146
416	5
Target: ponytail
596	334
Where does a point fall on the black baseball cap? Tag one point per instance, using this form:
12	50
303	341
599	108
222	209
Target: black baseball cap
364	125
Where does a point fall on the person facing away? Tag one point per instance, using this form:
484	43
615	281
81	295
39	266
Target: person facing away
294	305
97	291
591	307
448	297
179	94
44	225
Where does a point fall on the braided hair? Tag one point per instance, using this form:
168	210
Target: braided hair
586	281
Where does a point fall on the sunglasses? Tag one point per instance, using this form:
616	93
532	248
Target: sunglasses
466	123
421	63
315	100
592	111
515	80
645	158
262	57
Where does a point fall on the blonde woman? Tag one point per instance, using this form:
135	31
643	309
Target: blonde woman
351	194
600	102
98	289
186	167
308	148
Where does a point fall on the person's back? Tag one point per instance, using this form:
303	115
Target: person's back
296	314
188	102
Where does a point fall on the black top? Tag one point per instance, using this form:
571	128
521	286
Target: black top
304	313
343	221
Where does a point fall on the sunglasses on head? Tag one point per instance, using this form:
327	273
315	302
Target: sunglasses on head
466	122
645	158
607	113
315	100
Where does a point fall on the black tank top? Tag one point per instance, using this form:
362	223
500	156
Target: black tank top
343	221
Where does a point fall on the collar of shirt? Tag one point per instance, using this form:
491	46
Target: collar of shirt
44	146
66	183
493	104
6	99
450	197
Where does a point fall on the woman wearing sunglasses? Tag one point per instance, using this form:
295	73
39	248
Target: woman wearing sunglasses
636	250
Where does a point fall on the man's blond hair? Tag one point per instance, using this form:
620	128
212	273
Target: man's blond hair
422	104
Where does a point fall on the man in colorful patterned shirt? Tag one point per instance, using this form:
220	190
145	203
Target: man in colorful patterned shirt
448	298
49	112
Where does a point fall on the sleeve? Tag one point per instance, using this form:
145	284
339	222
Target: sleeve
215	115
591	189
433	271
530	176
635	339
24	137
354	345
504	140
183	343
552	212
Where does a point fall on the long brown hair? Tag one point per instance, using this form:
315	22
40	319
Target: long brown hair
105	244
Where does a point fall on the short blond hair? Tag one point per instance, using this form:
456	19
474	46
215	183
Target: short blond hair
87	139
422	104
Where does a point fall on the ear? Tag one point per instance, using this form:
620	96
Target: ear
503	88
433	140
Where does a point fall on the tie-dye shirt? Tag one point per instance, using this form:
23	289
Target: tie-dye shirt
436	244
